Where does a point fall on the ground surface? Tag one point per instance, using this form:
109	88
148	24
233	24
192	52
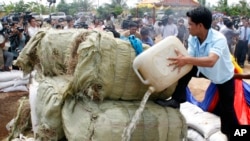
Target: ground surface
9	101
8	109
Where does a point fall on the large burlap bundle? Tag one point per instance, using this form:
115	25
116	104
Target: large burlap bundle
48	107
104	70
84	120
47	51
21	123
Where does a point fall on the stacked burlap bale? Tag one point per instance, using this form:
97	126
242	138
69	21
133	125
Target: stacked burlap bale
47	51
80	93
104	70
105	121
48	104
21	123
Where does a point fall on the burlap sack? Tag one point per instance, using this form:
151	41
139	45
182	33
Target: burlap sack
84	120
47	51
48	107
104	70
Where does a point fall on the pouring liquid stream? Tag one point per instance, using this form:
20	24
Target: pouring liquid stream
126	136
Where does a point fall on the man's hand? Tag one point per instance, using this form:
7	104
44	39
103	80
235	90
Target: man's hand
178	61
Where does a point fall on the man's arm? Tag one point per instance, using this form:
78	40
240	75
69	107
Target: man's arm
182	60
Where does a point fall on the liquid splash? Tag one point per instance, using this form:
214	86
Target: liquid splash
127	132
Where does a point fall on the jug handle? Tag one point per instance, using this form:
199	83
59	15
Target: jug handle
146	82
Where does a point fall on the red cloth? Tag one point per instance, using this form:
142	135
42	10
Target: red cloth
240	105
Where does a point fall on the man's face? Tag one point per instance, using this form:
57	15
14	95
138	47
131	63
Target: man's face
133	30
33	22
193	27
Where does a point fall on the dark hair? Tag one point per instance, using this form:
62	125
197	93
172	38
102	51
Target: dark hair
58	26
228	24
201	15
69	19
115	33
144	31
133	24
29	20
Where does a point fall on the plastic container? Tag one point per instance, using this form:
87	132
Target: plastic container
151	66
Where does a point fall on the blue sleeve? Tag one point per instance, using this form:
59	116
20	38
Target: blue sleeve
191	46
219	46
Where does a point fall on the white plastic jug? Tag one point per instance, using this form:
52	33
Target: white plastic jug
151	66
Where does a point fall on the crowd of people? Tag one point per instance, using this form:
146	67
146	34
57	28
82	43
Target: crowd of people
16	32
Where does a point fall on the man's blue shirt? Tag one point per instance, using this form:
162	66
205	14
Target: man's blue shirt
223	69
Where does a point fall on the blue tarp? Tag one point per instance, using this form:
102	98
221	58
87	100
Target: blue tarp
210	93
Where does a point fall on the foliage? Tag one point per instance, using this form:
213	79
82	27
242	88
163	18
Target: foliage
85	5
138	12
116	7
202	2
169	11
63	7
241	9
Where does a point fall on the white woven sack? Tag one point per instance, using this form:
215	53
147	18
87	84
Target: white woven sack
15	89
204	122
193	135
187	108
6	84
20	82
218	136
10	75
32	99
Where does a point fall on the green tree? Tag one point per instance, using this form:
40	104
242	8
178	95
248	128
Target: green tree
34	7
222	6
244	8
121	3
86	5
116	7
202	2
63	7
9	8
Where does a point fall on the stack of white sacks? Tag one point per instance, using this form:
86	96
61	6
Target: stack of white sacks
14	80
202	125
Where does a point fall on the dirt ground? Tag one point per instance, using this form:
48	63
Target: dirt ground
8	109
9	101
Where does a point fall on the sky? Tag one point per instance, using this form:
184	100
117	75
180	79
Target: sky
131	3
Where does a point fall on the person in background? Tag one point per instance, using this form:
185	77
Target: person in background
182	32
7	56
70	23
214	24
242	45
170	29
230	34
109	23
157	27
17	40
133	27
32	28
150	26
220	22
145	36
97	25
145	20
59	26
209	54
